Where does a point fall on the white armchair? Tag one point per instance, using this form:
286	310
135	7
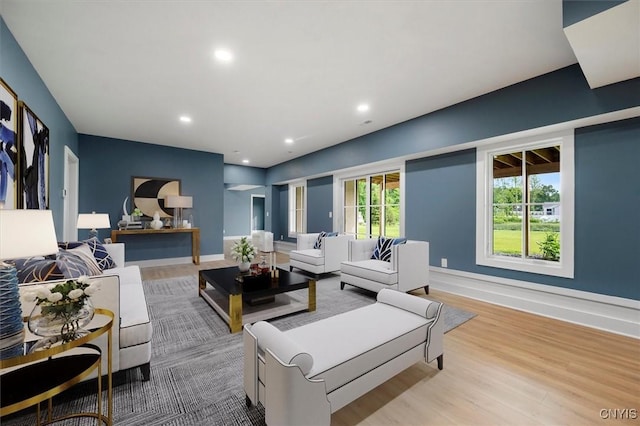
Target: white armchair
407	269
327	258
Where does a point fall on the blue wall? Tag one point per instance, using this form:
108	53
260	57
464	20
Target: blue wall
440	191
319	204
441	207
20	75
107	166
552	98
237	211
234	174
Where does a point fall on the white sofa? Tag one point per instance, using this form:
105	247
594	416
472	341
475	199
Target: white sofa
326	259
121	292
303	375
407	269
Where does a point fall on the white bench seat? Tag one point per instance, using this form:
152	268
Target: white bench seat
303	375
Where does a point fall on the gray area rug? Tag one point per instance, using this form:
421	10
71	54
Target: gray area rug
196	365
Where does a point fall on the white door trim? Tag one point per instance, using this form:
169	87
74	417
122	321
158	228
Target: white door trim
70	194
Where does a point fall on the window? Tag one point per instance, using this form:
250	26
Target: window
525	205
371	205
297	209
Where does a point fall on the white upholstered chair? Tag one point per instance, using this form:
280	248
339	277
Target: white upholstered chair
406	270
327	258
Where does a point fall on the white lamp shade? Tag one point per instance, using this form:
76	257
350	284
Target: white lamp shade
93	221
178	201
25	233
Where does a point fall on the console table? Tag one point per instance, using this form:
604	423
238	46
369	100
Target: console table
40	376
195	237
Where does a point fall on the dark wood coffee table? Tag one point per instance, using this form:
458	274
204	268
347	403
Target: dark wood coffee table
267	297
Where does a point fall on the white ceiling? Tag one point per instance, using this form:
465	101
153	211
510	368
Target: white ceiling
129	69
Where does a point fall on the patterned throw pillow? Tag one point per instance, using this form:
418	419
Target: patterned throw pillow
84	253
382	251
105	261
72	265
34	269
318	244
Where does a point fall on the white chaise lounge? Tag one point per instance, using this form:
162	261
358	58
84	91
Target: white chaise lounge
303	375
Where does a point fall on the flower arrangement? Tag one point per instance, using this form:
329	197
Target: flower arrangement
136	213
62	308
64	298
243	251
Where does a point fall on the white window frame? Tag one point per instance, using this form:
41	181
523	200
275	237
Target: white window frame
484	206
362	172
292	208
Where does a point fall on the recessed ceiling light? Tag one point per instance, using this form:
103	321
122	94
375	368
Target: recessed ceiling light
185	119
245	161
363	108
288	140
223	55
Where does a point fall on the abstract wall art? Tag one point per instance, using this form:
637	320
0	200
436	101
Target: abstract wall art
8	147
34	160
148	194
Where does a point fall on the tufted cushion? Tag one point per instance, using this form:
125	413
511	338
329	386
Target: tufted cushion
100	253
34	269
382	251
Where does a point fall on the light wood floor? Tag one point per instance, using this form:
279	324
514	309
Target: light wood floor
504	367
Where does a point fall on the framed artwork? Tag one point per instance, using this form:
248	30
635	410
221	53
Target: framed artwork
8	147
148	194
34	160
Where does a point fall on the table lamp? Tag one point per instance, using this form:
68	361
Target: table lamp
178	202
93	221
23	233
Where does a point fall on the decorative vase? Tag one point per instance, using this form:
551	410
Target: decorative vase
244	266
156	223
66	320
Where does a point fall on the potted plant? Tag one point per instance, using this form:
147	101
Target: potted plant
243	252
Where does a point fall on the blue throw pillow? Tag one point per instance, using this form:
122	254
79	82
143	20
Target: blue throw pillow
318	243
35	269
382	250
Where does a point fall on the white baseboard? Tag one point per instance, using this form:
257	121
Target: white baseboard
174	260
614	314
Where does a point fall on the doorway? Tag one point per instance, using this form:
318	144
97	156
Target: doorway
257	212
70	195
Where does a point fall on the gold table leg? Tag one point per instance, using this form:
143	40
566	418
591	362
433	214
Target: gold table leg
202	284
235	313
312	295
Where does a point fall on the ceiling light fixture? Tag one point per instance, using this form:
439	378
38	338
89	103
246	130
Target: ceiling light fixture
363	108
245	161
223	55
288	140
185	119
